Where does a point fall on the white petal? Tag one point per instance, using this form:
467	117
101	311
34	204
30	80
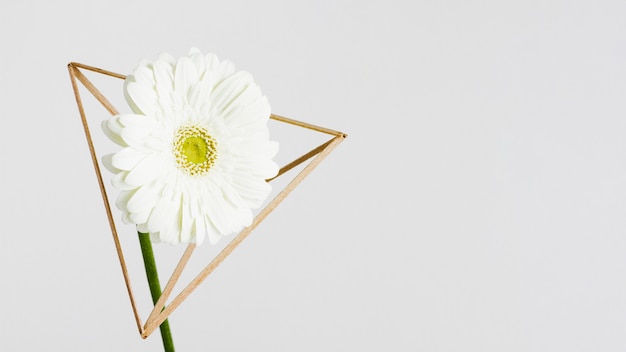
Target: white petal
252	189
232	196
268	169
185	77
126	217
256	150
271	149
200	93
213	233
144	199
118	182
246	217
112	129
213	68
140	217
142	96
247	96
224	69
137	120
146	137
229	89
127	158
167	58
171	232
142	228
199	230
263	168
252	115
198	61
130	79
108	164
135	136
155	237
217	211
186	220
122	200
146	170
164	76
159	216
144	75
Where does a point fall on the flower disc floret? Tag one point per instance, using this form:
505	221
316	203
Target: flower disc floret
194	149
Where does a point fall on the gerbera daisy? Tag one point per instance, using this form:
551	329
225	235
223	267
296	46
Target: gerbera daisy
196	149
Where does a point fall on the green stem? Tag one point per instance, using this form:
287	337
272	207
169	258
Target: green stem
155	286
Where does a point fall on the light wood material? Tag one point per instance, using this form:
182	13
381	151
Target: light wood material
158	307
161	310
152	325
74	73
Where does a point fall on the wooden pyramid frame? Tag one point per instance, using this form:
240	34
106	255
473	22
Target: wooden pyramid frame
161	312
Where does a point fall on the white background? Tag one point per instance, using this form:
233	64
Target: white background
477	205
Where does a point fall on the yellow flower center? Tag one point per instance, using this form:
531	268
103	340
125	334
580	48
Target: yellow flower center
195	150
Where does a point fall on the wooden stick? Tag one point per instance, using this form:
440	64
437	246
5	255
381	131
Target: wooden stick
160	313
300	160
118	247
307	125
242	235
95	92
158	306
98	70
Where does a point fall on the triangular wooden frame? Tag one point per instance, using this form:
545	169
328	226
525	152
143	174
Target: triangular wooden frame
160	312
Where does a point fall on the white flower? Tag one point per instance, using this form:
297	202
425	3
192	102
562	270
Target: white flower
196	151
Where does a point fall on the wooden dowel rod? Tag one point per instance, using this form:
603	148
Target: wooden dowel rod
98	70
160	313
105	198
96	93
307	125
158	307
242	235
300	160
